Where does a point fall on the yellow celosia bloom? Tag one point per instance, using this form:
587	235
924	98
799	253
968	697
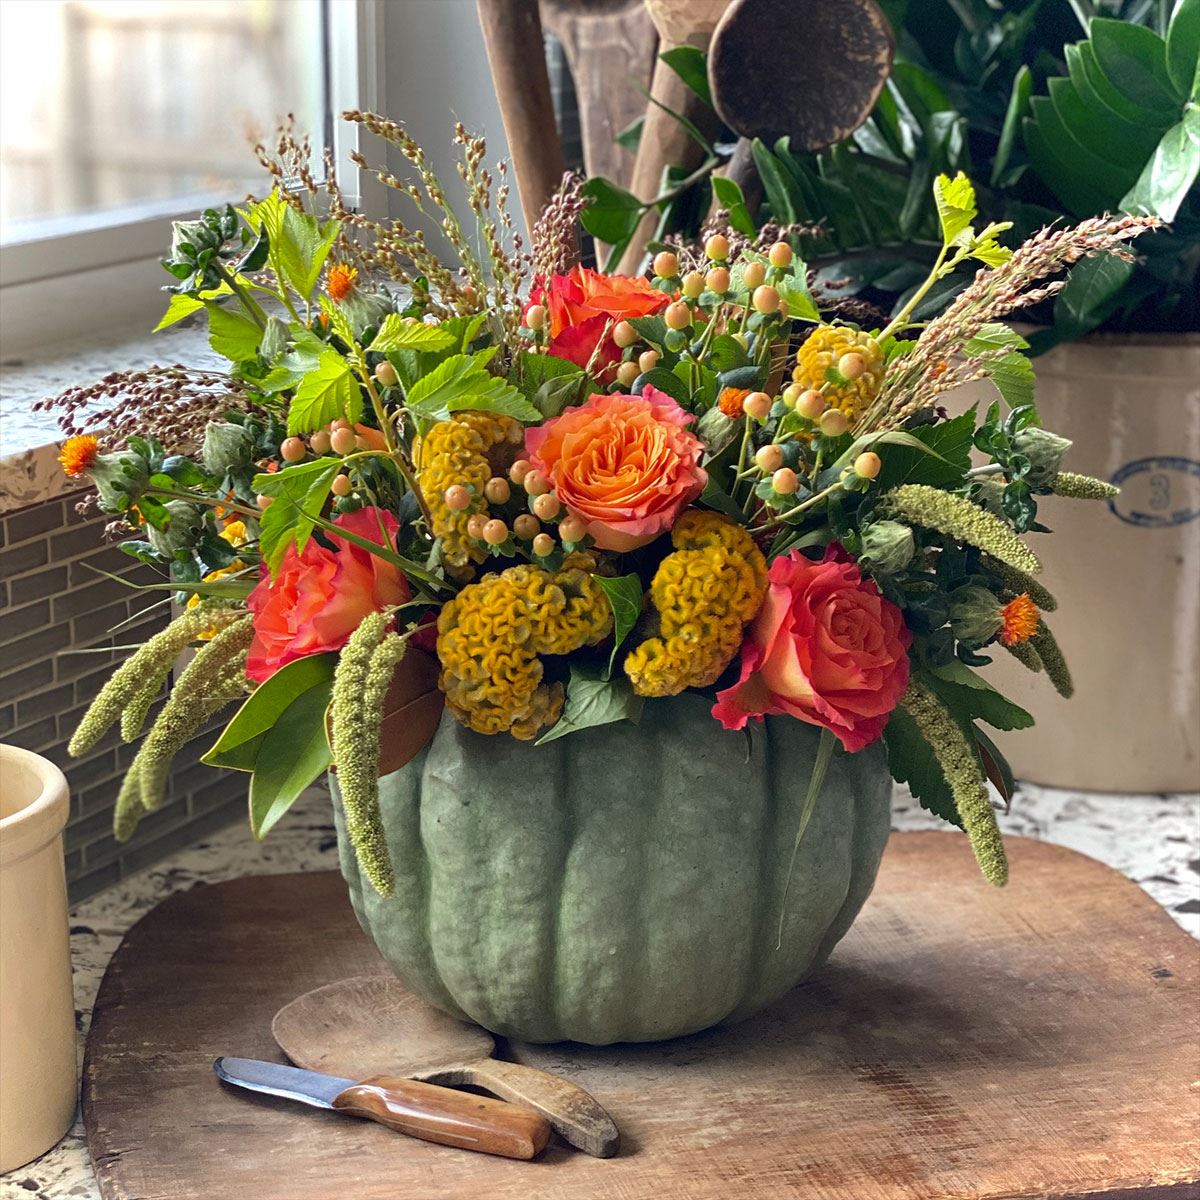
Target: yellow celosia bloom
704	593
468	450
822	349
491	634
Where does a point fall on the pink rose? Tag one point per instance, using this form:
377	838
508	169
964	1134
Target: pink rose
319	596
624	464
827	648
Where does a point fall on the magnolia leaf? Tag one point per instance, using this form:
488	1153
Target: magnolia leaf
398	333
625	596
230	334
1091	294
325	394
294	755
463	383
690	63
593	700
241	740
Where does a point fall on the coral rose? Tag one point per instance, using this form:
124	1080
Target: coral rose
623	464
319	596
827	648
580	305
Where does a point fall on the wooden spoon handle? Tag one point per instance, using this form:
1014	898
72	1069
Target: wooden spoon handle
575	1115
438	1114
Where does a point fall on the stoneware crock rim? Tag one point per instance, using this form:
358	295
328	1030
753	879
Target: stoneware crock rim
41	820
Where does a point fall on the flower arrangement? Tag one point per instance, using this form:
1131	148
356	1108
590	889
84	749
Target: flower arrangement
582	493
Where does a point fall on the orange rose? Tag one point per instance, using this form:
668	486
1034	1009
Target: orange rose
320	596
826	648
623	464
581	303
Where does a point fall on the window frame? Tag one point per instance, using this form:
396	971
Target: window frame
116	252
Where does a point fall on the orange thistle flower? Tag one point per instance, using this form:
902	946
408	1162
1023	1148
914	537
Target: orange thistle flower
78	454
1020	616
340	282
730	401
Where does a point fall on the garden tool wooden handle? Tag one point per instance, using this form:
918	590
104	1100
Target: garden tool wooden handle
438	1114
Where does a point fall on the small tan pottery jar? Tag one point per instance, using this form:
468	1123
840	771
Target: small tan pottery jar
37	1007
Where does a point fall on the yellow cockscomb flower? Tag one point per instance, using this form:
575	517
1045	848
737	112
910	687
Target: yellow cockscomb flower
491	634
466	450
704	593
824	348
341	281
78	454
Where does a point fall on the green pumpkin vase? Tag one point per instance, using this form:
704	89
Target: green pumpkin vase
623	883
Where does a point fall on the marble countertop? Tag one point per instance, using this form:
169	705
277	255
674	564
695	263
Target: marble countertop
1155	840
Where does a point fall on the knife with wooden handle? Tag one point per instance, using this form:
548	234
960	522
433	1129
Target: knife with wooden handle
421	1110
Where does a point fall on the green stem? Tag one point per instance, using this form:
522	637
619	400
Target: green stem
410	568
248	302
211	501
825	748
803	507
901	318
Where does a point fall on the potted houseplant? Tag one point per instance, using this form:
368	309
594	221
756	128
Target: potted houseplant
694	571
1060	113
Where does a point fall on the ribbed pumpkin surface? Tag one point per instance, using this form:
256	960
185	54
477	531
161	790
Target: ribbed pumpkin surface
623	883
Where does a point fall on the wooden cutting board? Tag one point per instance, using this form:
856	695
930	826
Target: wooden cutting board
964	1042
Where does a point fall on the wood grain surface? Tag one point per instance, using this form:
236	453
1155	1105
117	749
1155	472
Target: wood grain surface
1040	1041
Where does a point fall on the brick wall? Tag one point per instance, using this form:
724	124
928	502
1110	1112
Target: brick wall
52	605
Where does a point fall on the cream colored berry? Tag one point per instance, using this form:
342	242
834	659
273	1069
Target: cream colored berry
717	280
543	545
766	299
757	405
780	255
852	365
457	498
754	274
624	334
785	481
527	527
495	532
647	360
833	422
343	440
292	450
319	442
693	284
386	374
810	404
475	524
717	248
868	465
547	506
627	372
535	317
536	484
519	470
769	459
666	265
341	485
572	530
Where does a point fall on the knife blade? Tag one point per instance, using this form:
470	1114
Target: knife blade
421	1110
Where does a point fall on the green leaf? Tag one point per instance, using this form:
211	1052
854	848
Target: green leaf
1134	60
729	197
969	697
300	493
630	137
461	383
653	328
911	760
625	596
794	290
951	443
397	333
593	700
956	207
230	334
325	394
1018	106
1013	378
612	214
295	754
550	384
1183	50
717	498
303	249
1168	177
1091	294
691	65
180	306
780	188
665	381
241	740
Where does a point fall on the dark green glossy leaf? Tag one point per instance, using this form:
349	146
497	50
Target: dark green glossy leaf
1091	294
1171	173
1183	50
1134	60
691	65
612	214
1018	107
625	596
665	381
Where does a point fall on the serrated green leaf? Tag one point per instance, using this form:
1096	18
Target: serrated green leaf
969	698
179	307
794	291
397	333
303	249
242	738
461	383
956	207
230	334
299	495
950	442
593	700
911	760
328	392
624	594
652	328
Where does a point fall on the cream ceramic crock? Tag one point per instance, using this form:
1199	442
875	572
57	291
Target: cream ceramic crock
37	1008
1126	573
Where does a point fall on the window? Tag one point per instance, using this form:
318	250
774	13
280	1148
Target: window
117	116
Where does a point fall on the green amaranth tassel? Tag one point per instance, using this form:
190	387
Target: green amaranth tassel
1082	487
360	683
131	690
958	518
1015	582
1026	655
211	680
965	777
1052	659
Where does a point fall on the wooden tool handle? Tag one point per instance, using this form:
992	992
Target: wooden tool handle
575	1115
442	1115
